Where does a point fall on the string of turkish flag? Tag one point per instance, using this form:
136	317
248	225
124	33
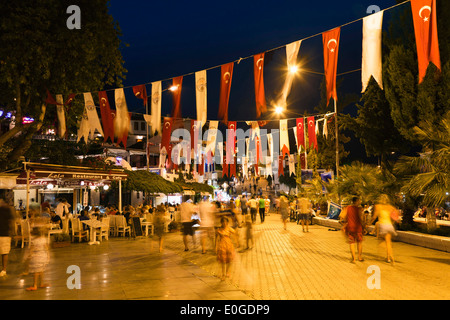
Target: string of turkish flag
115	123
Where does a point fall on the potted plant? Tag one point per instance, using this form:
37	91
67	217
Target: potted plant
61	240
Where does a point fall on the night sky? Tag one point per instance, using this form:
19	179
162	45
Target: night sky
172	38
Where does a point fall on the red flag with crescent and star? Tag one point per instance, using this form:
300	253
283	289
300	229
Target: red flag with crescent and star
225	168
330	56
107	117
280	166
425	29
141	92
226	76
312	132
231	142
166	134
300	122
260	95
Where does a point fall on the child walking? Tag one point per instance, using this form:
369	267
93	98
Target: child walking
38	258
224	246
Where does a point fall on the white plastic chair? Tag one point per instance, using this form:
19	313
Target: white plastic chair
104	230
122	227
77	230
25	232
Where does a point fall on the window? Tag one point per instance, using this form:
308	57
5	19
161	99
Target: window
136	125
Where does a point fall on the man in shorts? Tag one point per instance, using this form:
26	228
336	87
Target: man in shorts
304	207
6	228
186	212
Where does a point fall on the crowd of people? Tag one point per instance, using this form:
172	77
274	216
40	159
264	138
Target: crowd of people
221	227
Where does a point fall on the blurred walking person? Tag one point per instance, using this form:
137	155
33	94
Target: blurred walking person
351	217
38	257
304	208
224	247
253	208
386	214
262	208
159	220
186	212
284	210
6	230
207	211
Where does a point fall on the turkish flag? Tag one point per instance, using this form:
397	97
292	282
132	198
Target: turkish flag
224	168
233	168
225	87
176	108
166	134
141	93
312	132
330	57
425	28
300	122
107	117
231	142
280	166
260	96
201	166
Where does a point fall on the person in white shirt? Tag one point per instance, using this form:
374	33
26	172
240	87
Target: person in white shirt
207	219
186	212
62	208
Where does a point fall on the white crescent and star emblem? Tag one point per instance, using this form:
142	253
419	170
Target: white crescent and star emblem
258	64
300	126
422	9
311	123
227	77
231	126
331	41
167	125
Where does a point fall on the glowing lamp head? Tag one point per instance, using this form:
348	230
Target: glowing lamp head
173	88
293	69
278	110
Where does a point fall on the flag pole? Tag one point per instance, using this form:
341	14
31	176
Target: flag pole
337	138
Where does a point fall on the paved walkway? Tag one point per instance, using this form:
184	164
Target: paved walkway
282	265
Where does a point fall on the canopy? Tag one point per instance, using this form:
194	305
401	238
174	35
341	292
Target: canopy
143	180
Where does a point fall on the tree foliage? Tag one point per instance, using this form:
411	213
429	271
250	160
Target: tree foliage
39	53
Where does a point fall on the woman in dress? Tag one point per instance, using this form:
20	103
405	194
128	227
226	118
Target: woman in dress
386	213
224	246
38	257
158	223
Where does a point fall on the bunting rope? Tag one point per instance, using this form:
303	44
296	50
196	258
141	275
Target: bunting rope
251	56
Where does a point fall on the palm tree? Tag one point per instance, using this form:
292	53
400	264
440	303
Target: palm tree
427	176
366	181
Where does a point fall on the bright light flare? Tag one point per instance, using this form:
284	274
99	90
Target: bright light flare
173	88
279	110
293	69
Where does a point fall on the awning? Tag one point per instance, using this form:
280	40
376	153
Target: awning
68	176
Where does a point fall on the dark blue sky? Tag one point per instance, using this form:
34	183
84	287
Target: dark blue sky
171	38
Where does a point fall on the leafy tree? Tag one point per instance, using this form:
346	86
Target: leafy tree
412	103
374	125
325	158
39	53
426	177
